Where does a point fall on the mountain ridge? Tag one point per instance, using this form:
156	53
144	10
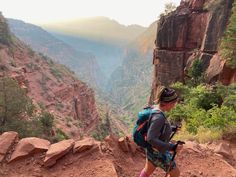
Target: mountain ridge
97	28
45	43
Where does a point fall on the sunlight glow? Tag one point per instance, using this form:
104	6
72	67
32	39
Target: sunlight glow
142	12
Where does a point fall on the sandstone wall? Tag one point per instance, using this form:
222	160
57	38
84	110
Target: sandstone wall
192	31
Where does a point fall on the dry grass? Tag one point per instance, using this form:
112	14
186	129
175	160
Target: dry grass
204	135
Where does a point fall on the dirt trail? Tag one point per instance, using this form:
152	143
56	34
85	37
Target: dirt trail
111	161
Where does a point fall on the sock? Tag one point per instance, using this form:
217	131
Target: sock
143	174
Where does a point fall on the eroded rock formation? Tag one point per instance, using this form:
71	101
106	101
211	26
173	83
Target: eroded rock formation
192	31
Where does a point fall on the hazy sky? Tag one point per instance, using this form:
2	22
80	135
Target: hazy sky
142	12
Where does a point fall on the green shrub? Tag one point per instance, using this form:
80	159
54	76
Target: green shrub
60	135
5	36
220	117
13	100
205	109
103	129
15	107
46	120
25	128
196	71
56	72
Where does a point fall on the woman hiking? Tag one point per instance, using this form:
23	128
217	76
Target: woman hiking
158	136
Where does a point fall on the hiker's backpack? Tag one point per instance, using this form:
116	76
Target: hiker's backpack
141	127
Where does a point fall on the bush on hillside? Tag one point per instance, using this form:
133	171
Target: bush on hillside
212	108
17	114
103	128
60	135
13	101
5	36
196	72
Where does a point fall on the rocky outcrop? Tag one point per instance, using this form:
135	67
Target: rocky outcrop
56	151
84	145
224	149
28	146
7	140
108	159
192	31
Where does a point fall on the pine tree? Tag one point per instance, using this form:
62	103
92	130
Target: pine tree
5	36
196	71
13	100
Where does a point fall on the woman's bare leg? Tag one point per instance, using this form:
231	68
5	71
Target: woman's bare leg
149	167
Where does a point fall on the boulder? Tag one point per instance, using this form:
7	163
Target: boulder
192	146
224	150
215	68
28	146
123	144
228	75
132	145
111	140
7	139
84	145
57	150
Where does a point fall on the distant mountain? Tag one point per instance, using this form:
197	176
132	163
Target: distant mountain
145	41
84	64
130	84
108	56
100	29
103	37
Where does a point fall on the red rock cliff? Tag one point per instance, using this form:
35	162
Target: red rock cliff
192	31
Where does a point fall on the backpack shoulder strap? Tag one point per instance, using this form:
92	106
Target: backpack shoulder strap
156	111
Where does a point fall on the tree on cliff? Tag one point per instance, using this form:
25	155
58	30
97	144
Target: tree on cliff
228	44
5	36
196	71
13	100
169	7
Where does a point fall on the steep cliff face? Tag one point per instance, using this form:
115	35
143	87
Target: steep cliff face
192	32
49	85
